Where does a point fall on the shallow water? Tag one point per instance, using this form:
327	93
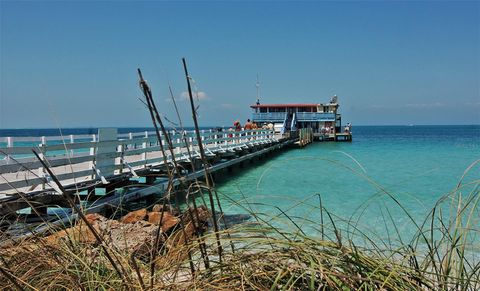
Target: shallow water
361	180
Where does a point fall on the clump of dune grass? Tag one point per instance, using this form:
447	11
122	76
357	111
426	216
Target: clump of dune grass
262	260
268	252
443	255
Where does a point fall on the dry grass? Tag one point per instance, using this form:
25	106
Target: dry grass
265	257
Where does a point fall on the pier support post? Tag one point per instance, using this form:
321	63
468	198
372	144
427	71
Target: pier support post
90	194
213	176
150	200
42	210
76	197
108	211
149	180
109	189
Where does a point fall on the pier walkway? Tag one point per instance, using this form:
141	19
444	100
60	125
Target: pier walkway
108	161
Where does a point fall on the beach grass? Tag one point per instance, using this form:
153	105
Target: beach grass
443	255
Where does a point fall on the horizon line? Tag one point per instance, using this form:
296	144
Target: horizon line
212	126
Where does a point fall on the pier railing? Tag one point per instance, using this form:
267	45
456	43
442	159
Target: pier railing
80	158
315	116
269	116
300	116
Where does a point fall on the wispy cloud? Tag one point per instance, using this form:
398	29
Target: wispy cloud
227	106
425	105
474	104
200	95
408	105
380	106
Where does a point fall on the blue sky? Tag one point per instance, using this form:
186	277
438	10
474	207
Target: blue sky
72	63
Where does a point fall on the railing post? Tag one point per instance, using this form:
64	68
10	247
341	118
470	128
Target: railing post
72	139
92	153
172	135
130	136
178	148
144	147
9	145
119	161
43	150
162	141
106	165
191	142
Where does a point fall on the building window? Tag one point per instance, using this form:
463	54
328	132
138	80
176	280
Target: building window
276	109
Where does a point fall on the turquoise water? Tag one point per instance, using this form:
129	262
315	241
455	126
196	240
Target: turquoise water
415	165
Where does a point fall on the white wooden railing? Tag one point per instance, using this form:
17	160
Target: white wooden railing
78	158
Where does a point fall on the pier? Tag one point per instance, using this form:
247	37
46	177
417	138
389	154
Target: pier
108	169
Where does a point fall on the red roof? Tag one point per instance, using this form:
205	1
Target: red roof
284	105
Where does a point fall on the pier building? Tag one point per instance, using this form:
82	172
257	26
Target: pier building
323	118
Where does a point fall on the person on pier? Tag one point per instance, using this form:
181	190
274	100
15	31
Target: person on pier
248	125
237	125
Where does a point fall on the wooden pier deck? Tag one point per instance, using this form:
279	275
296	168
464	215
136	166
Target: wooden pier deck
108	161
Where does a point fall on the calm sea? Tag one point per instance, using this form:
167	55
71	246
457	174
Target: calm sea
360	181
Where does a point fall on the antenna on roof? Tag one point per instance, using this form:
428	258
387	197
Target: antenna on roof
334	99
258	90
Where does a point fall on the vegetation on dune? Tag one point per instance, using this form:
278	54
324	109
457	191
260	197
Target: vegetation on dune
263	256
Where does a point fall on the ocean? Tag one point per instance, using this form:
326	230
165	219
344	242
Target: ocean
382	185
